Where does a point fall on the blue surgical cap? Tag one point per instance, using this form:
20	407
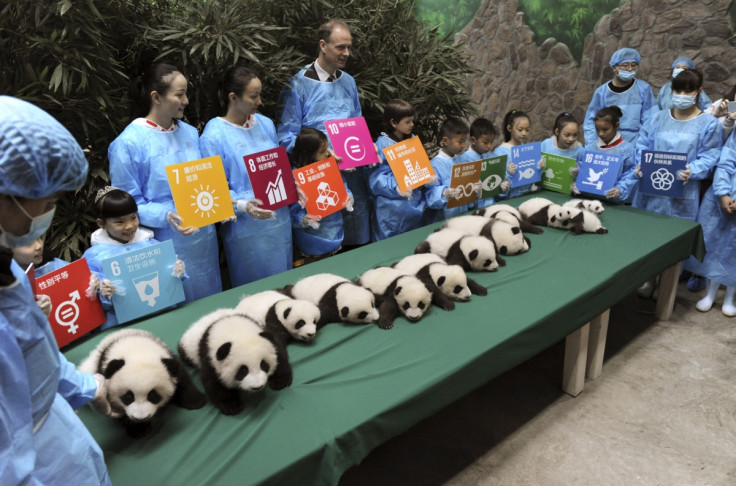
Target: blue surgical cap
686	61
627	54
38	156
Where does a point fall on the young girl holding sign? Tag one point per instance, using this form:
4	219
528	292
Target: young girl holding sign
516	126
564	140
395	212
238	132
315	239
119	232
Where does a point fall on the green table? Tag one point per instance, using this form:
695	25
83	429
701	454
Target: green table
357	386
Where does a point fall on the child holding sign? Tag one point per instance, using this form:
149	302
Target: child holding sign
315	239
482	134
119	232
564	140
26	255
516	127
395	212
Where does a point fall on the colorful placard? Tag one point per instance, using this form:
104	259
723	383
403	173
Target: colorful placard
323	186
72	314
598	172
464	176
200	191
526	158
557	175
409	163
352	141
271	179
144	281
492	174
659	173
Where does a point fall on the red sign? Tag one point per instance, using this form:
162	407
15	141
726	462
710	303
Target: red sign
270	177
323	186
72	313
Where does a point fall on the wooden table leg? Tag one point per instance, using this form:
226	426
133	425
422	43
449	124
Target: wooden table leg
576	353
597	345
667	291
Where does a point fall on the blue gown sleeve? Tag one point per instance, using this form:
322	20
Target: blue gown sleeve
726	170
645	140
433	194
209	147
76	387
291	116
596	103
648	104
382	182
628	180
708	151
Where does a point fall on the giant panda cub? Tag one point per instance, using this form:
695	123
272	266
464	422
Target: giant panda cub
509	214
289	318
447	282
592	205
234	354
544	212
583	221
337	298
143	375
397	292
506	237
475	253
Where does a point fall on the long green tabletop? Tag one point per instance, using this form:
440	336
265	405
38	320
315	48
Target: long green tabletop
356	386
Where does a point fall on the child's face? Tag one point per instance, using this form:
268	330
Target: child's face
122	228
482	144
323	152
25	255
454	145
567	135
605	130
520	131
405	125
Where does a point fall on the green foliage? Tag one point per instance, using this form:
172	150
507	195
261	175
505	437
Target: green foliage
448	17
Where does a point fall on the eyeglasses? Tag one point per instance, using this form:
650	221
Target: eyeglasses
627	66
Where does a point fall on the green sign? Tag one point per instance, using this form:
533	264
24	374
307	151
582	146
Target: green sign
492	174
558	174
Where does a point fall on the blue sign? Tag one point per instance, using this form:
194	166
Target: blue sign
144	280
526	158
598	172
659	173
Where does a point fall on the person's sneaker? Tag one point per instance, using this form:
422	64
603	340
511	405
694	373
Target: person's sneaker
696	283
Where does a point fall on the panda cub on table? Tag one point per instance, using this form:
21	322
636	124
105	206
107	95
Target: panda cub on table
289	318
509	214
592	205
397	292
447	282
143	375
337	298
544	212
471	252
234	354
506	237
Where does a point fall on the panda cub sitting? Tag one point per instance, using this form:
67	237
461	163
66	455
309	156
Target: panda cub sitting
143	375
397	292
234	354
289	318
337	298
475	253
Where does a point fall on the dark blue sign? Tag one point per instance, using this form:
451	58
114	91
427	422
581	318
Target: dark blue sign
659	173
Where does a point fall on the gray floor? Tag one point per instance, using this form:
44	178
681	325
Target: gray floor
663	412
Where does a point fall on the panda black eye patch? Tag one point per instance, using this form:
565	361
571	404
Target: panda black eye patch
457	289
421	305
242	373
265	367
300	324
406	306
154	397
362	315
127	398
486	263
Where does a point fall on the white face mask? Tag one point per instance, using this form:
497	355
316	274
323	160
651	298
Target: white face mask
39	225
626	75
683	102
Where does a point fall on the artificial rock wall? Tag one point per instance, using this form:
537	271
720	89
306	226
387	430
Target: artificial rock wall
542	78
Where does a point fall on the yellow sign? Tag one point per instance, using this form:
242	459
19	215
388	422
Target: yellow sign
200	191
409	163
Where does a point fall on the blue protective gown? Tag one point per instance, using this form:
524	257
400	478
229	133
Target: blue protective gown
321	241
664	98
20	275
437	203
394	214
42	440
637	103
719	227
505	149
310	103
700	138
50	266
626	180
138	160
471	155
254	248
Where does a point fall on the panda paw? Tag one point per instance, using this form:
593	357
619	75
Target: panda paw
231	408
386	324
137	430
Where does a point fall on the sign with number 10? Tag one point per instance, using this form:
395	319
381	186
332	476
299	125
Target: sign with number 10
352	141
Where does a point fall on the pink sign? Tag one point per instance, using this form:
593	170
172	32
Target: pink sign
270	176
352	141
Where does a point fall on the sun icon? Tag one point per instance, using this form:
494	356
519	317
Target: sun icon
205	201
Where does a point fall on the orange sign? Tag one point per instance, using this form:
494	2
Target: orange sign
200	190
409	163
323	186
463	177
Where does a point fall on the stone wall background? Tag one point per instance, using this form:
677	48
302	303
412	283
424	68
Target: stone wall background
541	77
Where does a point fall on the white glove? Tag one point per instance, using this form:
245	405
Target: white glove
349	204
613	193
107	288
307	220
505	186
574	189
175	221
637	171
477	187
251	209
179	269
511	168
406	194
302	197
44	303
94	286
542	163
451	193
100	402
684	175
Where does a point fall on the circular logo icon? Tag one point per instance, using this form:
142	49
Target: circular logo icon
491	182
662	179
354	149
205	201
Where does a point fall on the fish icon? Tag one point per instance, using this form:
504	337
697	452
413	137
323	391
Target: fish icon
526	174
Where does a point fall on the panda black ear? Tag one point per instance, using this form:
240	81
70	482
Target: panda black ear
344	312
397	290
113	367
504	250
440	280
223	351
172	366
473	254
287	312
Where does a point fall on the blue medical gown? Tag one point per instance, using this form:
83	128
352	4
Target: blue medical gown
320	241
310	103
664	98
471	155
637	103
138	160
514	191
626	179
254	248
40	388
20	275
394	214
700	138
719	227
436	202
50	266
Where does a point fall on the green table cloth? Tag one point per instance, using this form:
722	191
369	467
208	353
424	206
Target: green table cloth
356	386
